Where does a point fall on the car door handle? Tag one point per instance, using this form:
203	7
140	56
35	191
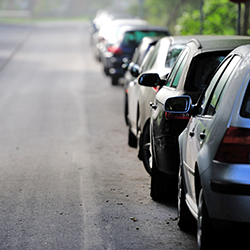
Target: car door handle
153	105
202	135
191	133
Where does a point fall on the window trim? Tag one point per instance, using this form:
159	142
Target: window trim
214	87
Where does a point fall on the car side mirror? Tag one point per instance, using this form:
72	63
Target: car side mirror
135	70
178	104
151	80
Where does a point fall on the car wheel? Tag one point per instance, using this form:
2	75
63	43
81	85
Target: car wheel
132	140
114	80
126	108
106	70
162	186
185	218
204	225
145	149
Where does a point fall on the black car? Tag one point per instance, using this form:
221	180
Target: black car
189	76
128	38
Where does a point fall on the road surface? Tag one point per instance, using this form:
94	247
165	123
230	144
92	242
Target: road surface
68	178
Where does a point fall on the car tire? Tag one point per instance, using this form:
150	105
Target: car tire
132	140
162	185
114	80
204	225
145	152
186	221
126	108
106	70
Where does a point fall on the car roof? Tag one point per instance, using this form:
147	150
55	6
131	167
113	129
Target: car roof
126	28
242	50
148	40
127	21
144	46
177	39
216	43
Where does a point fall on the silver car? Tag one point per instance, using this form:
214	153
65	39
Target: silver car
214	176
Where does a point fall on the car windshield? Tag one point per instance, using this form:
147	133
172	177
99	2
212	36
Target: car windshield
134	37
245	109
201	69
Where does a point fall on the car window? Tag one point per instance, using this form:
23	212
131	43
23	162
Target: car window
201	69
136	55
183	55
178	73
221	78
245	109
204	98
173	53
142	55
132	38
152	58
152	53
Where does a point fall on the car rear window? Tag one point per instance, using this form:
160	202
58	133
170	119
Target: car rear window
245	109
133	38
201	70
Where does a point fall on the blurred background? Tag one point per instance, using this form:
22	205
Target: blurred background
181	17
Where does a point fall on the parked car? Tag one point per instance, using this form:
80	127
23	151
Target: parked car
214	174
102	16
133	67
189	76
160	60
107	35
128	38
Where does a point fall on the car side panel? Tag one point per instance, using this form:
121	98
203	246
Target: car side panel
165	145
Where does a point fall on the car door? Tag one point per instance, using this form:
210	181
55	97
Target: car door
133	89
159	127
198	130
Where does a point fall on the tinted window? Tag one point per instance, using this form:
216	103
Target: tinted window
245	109
178	73
204	99
173	53
219	90
132	38
176	67
201	69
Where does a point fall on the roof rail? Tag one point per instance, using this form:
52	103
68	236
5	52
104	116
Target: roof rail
197	42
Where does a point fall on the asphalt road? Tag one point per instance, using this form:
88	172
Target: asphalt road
68	179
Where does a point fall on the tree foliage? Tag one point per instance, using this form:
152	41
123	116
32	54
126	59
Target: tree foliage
183	16
219	19
165	13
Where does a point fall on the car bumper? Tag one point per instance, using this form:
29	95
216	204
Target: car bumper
227	191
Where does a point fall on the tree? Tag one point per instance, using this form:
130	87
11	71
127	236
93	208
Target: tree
162	12
219	19
246	18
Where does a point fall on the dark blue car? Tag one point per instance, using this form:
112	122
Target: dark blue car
128	39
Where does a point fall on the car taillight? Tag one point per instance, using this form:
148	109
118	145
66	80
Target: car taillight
115	50
170	116
156	88
235	146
